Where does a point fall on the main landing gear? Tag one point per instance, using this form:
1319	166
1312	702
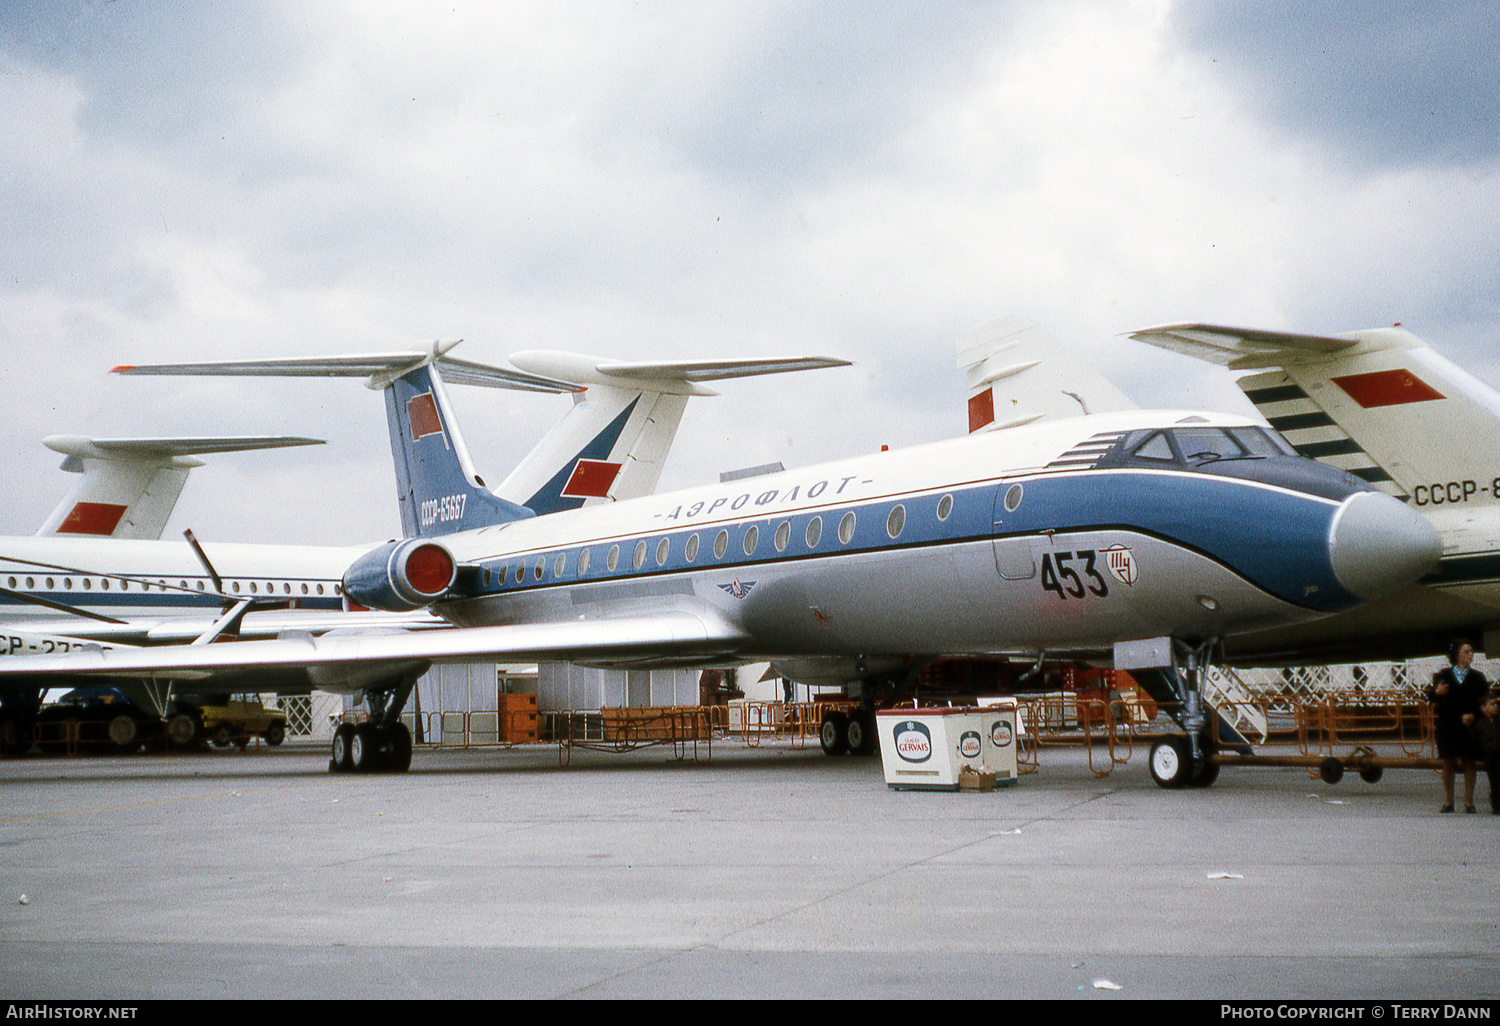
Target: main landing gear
382	745
854	732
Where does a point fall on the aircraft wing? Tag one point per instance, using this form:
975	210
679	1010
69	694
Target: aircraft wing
183	629
347	660
1242	348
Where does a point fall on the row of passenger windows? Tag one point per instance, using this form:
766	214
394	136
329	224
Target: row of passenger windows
812	534
124	584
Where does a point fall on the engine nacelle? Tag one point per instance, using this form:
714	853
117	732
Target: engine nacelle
401	576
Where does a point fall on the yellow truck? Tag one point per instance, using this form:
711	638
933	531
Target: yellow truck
240	718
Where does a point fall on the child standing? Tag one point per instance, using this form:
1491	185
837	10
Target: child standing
1487	735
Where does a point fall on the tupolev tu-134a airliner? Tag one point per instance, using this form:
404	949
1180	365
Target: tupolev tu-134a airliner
1087	536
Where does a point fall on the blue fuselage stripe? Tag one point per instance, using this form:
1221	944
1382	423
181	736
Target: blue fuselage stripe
1275	538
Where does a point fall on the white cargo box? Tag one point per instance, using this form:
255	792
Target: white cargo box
924	749
998	736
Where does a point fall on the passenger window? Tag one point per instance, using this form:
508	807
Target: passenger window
690	553
721	544
583	562
896	521
752	537
814	532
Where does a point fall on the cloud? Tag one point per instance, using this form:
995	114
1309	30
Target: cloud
1386	83
862	181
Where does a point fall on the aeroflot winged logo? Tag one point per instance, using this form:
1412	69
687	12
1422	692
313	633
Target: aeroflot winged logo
737	588
422	417
913	741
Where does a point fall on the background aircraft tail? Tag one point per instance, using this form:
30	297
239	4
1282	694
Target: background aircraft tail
1379	404
1018	374
614	442
130	486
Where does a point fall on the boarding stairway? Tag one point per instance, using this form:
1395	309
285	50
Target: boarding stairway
1221	691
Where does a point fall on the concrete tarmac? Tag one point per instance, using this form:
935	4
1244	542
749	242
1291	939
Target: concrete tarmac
771	872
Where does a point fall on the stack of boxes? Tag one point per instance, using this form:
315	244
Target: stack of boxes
517	719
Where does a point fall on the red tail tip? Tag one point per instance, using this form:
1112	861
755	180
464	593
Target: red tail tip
123	368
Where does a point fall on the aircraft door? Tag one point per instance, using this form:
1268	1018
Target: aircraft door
1015	556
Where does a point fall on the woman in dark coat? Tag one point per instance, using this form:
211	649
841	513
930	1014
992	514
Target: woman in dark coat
1455	694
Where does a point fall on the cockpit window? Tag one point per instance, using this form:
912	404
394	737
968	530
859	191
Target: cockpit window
1198	446
1259	443
1155	448
1206	445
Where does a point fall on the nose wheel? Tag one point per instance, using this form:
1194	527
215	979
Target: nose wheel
1173	765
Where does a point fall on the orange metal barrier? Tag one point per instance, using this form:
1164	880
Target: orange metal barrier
1088	722
796	722
624	728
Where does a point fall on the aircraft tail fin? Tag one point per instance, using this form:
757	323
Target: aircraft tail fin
610	446
438	490
1018	374
129	486
613	443
1379	404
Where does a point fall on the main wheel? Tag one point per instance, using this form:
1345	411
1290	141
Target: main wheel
1204	774
861	734
343	741
400	754
834	734
364	749
1171	763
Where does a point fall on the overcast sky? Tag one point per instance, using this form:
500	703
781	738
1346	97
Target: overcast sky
668	180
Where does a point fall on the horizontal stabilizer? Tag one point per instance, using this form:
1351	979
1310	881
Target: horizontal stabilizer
670	377
1242	348
380	368
167	448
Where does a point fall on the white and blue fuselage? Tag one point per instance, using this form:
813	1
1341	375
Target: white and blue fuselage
1068	536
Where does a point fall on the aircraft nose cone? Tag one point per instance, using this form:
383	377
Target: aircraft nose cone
1378	544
